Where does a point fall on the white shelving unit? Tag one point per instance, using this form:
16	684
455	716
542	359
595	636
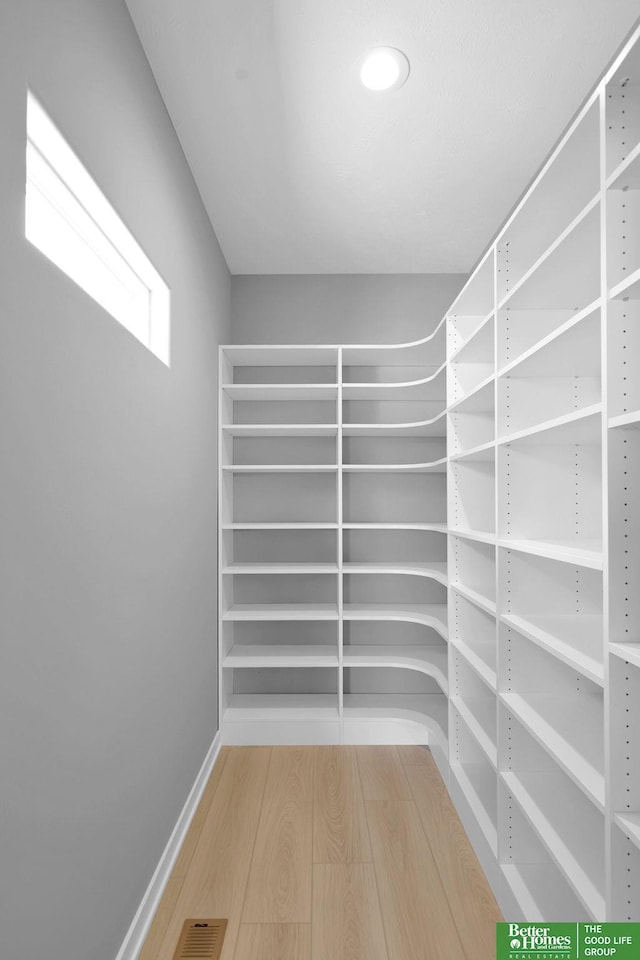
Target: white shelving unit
333	571
544	525
440	541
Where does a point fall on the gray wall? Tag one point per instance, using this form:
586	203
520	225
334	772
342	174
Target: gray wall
107	506
339	309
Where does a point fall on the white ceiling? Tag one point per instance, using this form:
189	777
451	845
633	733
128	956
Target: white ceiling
302	170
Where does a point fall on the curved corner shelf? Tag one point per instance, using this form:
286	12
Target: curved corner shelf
431	660
433	466
428	614
403	390
435	427
434	570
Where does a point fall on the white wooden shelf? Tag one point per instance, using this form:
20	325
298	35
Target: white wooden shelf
631	419
280	429
567	731
628	652
627	173
290	706
277	525
627	289
281	655
475	344
281	391
629	823
540	890
478	715
476	662
434	570
435	527
561	833
280	569
584	553
581	426
434	466
429	660
483	453
476	782
434	427
481	536
422	389
479	399
280	468
428	614
281	611
475	597
281	355
428	709
585	651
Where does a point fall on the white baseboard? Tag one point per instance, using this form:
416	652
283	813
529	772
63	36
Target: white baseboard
137	932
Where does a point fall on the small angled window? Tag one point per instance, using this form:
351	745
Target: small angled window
73	224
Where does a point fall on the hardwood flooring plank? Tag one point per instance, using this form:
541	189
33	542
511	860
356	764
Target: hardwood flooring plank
472	902
382	774
413	754
274	941
347	924
158	930
340	833
215	882
279	885
195	828
417	919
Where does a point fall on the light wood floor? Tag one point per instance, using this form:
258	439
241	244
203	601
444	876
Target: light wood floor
329	853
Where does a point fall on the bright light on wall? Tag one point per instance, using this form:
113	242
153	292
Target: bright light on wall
385	68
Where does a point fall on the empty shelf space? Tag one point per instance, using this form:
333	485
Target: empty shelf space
483	452
280	355
424	352
530	338
291	706
626	176
575	639
280	429
281	391
585	553
430	614
475	597
476	299
570	181
237	569
477	661
434	526
549	804
471	338
281	611
477	400
628	288
433	427
430	660
479	715
280	655
540	890
428	709
435	570
571	732
580	426
567	274
478	783
430	387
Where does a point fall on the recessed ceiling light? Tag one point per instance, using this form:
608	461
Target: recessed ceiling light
385	68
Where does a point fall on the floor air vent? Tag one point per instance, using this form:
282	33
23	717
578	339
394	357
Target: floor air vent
201	940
